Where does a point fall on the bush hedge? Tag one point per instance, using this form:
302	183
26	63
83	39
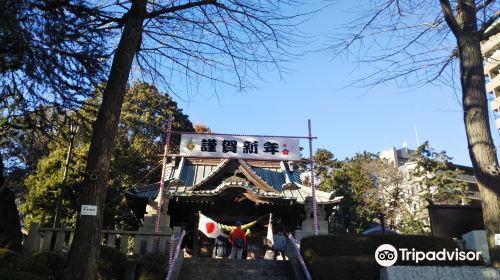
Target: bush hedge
111	263
345	267
10	260
47	265
352	256
320	246
156	258
151	267
17	275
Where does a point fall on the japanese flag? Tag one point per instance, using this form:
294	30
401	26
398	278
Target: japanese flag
208	226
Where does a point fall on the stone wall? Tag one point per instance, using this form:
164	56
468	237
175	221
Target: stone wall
439	272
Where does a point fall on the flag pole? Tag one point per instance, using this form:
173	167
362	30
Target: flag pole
269	236
313	187
162	181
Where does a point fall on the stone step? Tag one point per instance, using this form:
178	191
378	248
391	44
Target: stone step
241	271
257	261
218	266
231	277
222	269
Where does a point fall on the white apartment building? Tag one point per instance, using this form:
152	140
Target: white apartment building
491	53
413	191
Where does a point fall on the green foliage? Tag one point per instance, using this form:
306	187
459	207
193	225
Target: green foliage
434	178
150	270
352	256
44	186
51	55
140	138
17	275
47	265
345	267
315	247
110	264
372	186
9	260
156	258
348	178
437	176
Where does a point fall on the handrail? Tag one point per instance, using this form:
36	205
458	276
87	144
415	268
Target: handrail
104	231
299	256
175	255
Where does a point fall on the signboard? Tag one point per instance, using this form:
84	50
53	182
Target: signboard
245	147
497	239
88	210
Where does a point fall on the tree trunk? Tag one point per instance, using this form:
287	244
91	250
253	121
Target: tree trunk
480	143
10	226
84	252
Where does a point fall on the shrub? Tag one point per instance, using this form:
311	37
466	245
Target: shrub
314	247
110	264
47	265
345	267
150	270
352	256
156	258
9	260
17	275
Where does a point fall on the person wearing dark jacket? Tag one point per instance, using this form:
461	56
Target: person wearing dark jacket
220	248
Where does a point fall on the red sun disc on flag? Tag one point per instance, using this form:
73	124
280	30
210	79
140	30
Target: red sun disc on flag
210	227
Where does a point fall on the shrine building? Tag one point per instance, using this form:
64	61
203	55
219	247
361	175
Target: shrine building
229	189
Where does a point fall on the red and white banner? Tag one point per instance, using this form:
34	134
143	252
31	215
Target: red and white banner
245	147
209	227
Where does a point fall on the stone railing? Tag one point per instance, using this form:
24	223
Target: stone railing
297	262
140	242
176	258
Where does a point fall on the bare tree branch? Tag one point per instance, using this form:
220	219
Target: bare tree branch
173	9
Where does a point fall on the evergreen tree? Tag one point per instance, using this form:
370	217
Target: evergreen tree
372	186
438	177
140	139
348	178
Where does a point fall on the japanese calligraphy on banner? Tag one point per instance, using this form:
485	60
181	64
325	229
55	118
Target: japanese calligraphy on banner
247	147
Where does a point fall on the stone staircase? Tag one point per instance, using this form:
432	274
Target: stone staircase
226	269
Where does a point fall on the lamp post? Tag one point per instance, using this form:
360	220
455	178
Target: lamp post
73	129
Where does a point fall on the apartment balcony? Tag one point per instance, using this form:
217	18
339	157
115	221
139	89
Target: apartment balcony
492	67
489	46
494	85
495	105
474	195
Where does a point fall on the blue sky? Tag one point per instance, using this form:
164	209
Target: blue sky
346	120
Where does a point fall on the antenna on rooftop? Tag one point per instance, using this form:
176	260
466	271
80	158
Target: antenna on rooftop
416	136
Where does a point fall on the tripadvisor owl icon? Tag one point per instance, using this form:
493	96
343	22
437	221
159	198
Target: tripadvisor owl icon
386	255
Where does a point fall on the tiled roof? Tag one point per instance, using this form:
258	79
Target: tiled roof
193	175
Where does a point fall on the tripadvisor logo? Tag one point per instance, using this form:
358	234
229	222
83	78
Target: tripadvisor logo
387	255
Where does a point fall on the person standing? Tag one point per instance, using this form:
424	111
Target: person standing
279	245
238	241
220	248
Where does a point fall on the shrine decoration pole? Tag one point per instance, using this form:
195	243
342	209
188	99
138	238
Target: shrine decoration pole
171	251
162	181
313	186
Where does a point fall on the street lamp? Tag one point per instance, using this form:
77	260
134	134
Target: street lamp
73	129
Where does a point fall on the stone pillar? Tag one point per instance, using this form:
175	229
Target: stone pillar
150	216
307	224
